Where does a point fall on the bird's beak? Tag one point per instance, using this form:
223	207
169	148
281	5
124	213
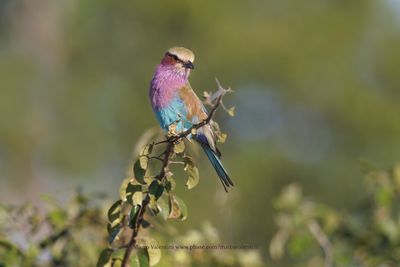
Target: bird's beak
188	65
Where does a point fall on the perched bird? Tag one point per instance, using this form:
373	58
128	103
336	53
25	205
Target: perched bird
174	102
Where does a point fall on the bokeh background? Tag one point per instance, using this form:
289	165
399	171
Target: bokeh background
316	94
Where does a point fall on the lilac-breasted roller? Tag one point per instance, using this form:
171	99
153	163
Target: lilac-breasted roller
174	102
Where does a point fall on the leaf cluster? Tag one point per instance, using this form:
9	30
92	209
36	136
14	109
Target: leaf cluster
56	236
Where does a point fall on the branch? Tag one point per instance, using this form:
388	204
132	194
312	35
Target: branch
132	241
323	241
168	153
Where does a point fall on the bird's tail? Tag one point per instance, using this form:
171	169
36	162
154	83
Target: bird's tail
219	168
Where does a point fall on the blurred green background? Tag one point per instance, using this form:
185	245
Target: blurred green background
317	93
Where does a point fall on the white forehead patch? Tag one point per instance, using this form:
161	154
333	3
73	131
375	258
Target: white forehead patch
182	53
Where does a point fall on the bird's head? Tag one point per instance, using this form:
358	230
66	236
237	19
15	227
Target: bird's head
180	58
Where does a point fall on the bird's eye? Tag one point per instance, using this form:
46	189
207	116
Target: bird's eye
175	57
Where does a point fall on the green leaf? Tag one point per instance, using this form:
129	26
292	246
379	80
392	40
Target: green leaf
156	189
183	208
142	258
231	111
177	207
384	195
104	258
143	157
290	197
153	205
122	189
163	207
10	247
134	194
193	174
114	212
116	262
144	161
170	184
174	211
299	244
133	216
221	137
153	251
148	149
113	232
277	244
179	147
57	217
139	172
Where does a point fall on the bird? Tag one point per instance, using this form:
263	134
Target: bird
174	102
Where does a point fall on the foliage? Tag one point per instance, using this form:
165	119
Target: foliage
73	235
58	236
314	234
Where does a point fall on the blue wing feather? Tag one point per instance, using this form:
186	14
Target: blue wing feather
176	111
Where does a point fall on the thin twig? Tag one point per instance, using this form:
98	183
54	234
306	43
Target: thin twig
157	158
176	162
132	241
161	142
323	241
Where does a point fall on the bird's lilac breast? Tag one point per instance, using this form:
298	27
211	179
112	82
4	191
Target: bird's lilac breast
165	98
164	86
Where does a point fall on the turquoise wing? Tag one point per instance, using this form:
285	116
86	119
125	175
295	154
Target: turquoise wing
174	112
